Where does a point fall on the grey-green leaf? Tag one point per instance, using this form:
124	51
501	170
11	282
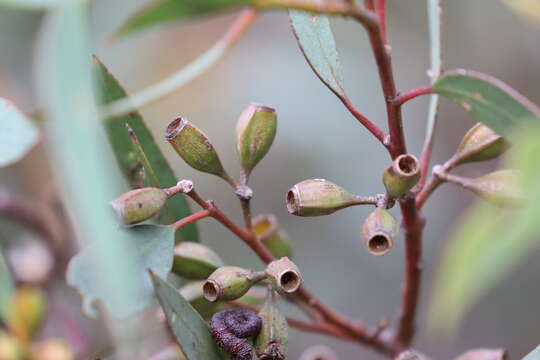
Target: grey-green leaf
190	330
18	135
487	99
6	286
162	12
533	355
153	250
317	43
489	242
126	155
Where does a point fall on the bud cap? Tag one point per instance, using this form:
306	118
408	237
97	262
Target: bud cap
194	261
255	132
315	197
284	275
139	205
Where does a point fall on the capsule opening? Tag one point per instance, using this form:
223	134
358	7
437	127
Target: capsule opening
211	290
407	164
379	244
289	281
292	200
174	128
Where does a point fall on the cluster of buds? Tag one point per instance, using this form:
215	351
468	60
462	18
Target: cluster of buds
232	282
25	315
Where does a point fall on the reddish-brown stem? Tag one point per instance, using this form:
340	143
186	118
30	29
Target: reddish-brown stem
191	218
371	127
380	9
411	94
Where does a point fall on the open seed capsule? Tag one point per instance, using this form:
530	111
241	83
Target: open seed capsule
378	232
402	175
230	283
284	275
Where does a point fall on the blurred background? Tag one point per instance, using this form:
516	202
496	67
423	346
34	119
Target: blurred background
316	137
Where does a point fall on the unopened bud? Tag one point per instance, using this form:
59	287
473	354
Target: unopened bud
274	238
230	283
51	349
499	187
194	147
255	132
273	340
140	204
194	261
10	348
26	311
317	197
378	232
402	175
319	352
284	275
480	143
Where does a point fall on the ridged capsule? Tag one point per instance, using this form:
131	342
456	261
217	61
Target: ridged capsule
378	231
284	275
230	283
480	143
273	237
401	175
25	312
273	339
255	133
140	204
194	261
194	147
316	197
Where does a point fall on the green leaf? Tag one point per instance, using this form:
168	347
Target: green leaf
126	154
487	99
489	243
163	12
190	330
533	355
317	43
6	286
153	250
18	135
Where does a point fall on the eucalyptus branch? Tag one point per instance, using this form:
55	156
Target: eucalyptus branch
412	94
187	73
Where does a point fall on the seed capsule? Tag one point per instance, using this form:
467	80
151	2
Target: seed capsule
194	147
194	261
402	175
140	204
317	197
26	312
480	143
230	283
255	132
274	238
378	232
273	340
284	275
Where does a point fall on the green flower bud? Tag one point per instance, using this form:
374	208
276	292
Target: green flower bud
378	232
499	187
284	275
194	261
273	339
26	311
317	197
272	236
255	132
230	283
140	204
480	143
51	349
401	176
194	147
10	348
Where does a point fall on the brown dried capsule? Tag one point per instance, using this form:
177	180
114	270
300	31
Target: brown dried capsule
284	275
378	231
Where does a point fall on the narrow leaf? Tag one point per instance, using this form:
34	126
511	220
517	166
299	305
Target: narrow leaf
190	330
6	286
487	99
533	355
126	154
489	243
162	12
153	250
18	135
317	43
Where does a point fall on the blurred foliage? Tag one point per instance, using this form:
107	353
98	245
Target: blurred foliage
527	9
